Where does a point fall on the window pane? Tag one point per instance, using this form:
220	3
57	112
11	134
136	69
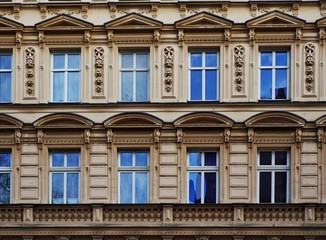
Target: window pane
195	187
281	158
72	188
125	159
280	187
5	87
210	188
141	86
210	159
5	159
196	60
126	60
281	59
265	187
266	84
57	188
265	158
266	59
196	85
73	61
73	159
141	60
280	84
73	86
141	159
211	59
5	62
4	188
58	159
58	86
141	187
211	85
58	61
125	187
194	159
126	87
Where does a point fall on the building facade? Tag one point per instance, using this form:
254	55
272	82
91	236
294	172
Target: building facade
162	119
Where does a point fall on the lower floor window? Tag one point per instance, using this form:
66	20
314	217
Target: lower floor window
5	176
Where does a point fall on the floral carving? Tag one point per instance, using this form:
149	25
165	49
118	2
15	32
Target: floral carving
310	50
168	65
64	11
30	64
99	61
238	53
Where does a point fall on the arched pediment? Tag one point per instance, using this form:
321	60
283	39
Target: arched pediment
7	122
275	20
133	120
63	120
63	22
203	120
204	20
7	25
275	119
133	21
321	122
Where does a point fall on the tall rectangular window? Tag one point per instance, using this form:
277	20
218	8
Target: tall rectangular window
5	77
203	177
134	177
134	75
64	177
5	176
204	76
273	176
274	75
66	77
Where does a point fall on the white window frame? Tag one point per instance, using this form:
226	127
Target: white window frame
204	169
66	70
134	70
6	53
133	170
273	68
273	169
65	170
203	69
8	170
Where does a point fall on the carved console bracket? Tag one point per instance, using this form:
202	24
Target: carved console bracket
99	62
113	11
19	38
323	8
168	68
252	36
110	38
251	136
238	53
30	65
182	9
154	10
309	51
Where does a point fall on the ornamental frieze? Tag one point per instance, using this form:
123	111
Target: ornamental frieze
203	140
273	140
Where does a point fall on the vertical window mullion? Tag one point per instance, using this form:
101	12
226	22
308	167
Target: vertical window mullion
203	76
65	187
66	78
202	191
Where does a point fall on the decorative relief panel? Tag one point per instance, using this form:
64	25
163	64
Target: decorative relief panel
198	214
30	74
128	214
168	68
99	62
282	213
219	9
310	51
256	9
238	53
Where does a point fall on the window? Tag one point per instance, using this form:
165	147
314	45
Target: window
204	76
273	176
203	177
134	177
274	75
134	75
65	77
64	177
5	176
5	77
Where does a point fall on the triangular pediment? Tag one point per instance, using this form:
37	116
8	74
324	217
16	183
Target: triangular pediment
204	20
63	120
321	122
321	22
133	120
133	21
276	19
7	122
63	22
9	25
275	119
204	120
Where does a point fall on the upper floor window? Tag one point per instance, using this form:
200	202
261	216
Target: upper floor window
203	177
274	75
134	75
66	77
5	176
273	176
5	77
134	177
204	76
64	177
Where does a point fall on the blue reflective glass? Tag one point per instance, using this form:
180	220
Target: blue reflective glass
73	159
281	58
73	86
5	87
210	188
72	188
5	159
141	187
266	59
211	85
125	159
194	159
141	60
211	59
125	187
57	188
281	84
126	60
141	86
196	85
141	159
58	86
74	61
58	61
194	187
210	159
126	87
5	188
265	84
196	60
58	159
5	62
